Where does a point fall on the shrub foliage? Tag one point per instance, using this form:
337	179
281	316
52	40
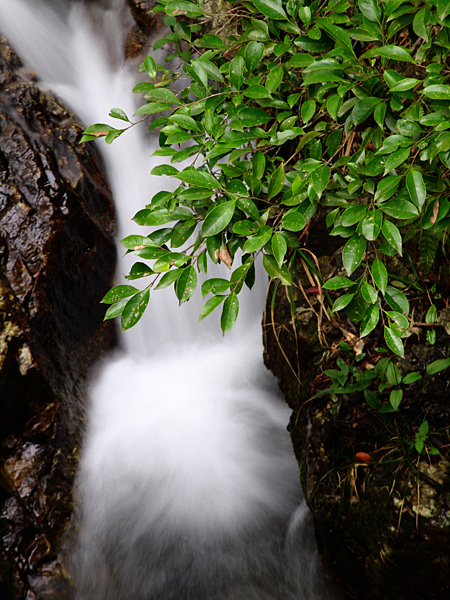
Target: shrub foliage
293	114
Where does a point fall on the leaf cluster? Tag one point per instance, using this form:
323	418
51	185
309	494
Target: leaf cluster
294	110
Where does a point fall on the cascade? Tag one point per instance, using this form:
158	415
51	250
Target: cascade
187	487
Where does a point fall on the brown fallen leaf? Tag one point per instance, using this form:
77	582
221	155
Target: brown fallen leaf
435	212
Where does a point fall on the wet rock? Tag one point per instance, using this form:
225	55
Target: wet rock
381	509
57	257
147	24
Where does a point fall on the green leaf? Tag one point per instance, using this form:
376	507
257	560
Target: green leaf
258	164
271	8
437	92
363	109
274	79
337	283
276	182
398	208
256	91
279	247
256	242
428	249
411	378
353	215
169	278
186	284
443	9
253	117
396	159
118	113
276	272
404	85
431	315
216	285
218	218
393	341
209	306
371	225
253	54
293	221
307	111
370	9
198	178
392	52
177	7
229	312
118	293
393	374
416	187
392	235
134	309
438	365
139	270
163	95
387	188
115	309
237	72
353	253
395	398
169	259
320	178
369	320
342	302
369	293
396	299
379	274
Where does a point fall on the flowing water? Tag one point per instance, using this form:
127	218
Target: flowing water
187	488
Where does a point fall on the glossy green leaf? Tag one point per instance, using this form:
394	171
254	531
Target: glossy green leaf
273	270
387	188
256	242
392	235
371	225
215	285
279	247
210	305
253	54
253	117
370	9
237	72
258	164
115	309
398	208
118	293
134	309
187	282
271	8
229	312
396	299
396	159
363	109
169	278
342	302
218	218
198	178
276	182
369	293
337	283
353	215
320	178
390	51
437	92
293	221
369	320
274	79
379	275
416	187
393	341
307	110
353	253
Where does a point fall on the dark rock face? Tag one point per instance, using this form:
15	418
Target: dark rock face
382	521
57	257
147	23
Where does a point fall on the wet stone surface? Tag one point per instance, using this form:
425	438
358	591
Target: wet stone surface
57	257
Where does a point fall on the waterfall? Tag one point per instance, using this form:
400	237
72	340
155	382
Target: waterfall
187	487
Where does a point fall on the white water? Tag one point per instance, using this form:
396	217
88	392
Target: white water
188	488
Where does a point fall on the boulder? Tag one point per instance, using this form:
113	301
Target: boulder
57	258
